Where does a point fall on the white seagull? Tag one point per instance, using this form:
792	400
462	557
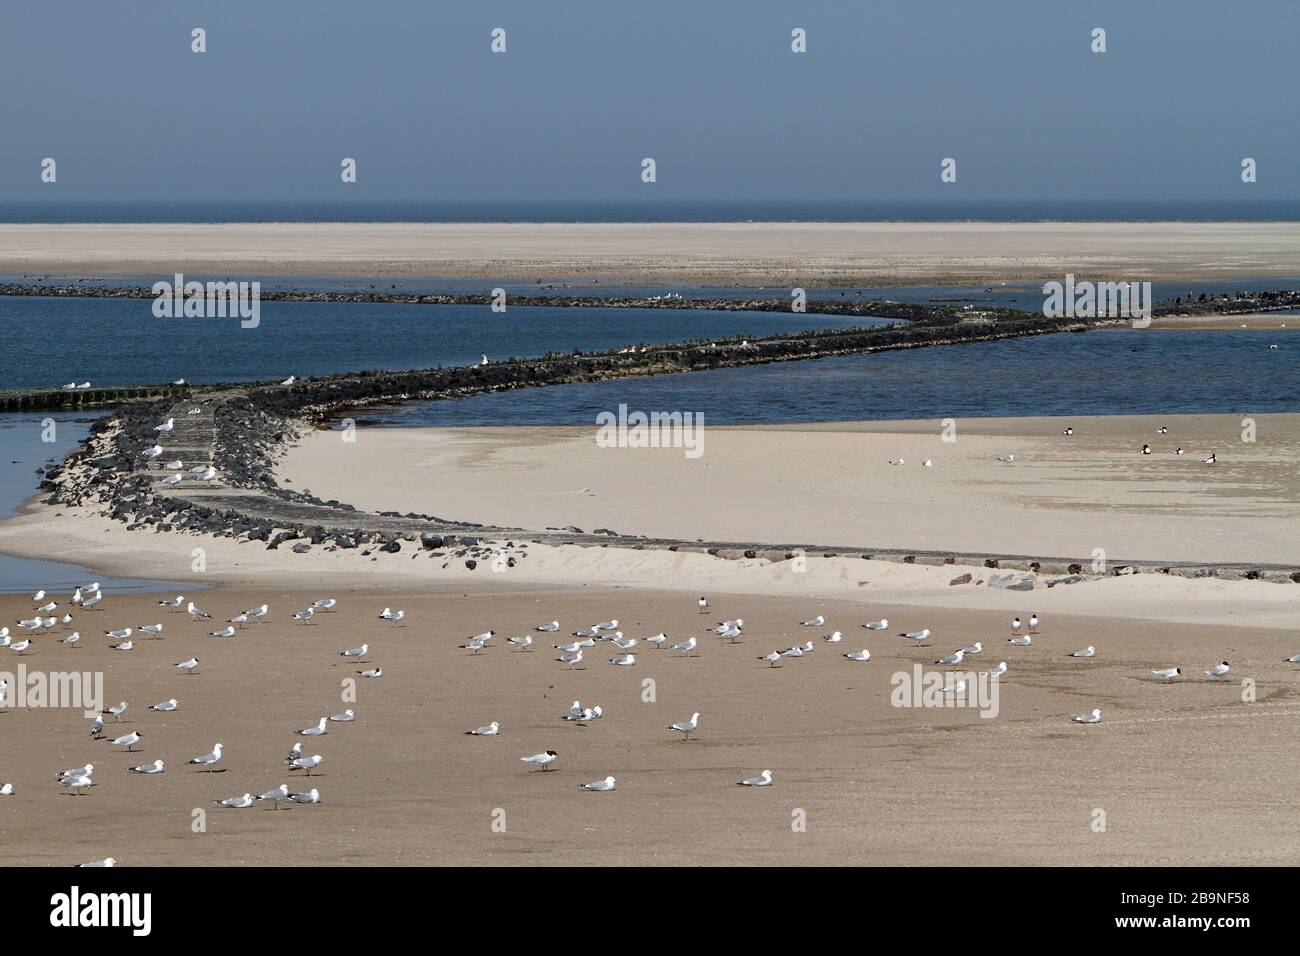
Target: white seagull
599	785
686	727
491	730
208	760
862	655
1092	717
764	779
542	761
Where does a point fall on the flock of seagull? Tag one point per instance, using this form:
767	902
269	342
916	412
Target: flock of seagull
89	598
78	780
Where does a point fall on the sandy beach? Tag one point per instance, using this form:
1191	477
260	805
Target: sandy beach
810	254
403	784
832	484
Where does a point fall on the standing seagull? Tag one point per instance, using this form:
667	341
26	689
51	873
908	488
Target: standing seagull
704	605
208	760
542	761
686	727
1218	670
686	646
1168	674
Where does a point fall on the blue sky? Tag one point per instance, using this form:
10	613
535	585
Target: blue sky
711	90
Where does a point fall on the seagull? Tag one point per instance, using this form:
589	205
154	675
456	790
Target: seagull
155	767
173	604
311	796
176	465
107	861
523	643
1146	449
835	637
956	688
258	613
358	652
238	803
610	625
1024	641
1033	624
386	614
117	710
704	605
686	646
1293	659
817	621
491	730
795	651
47	608
599	785
239	620
154	629
475	645
928	463
294	753
85	771
1209	461
1007	458
315	731
91	601
1068	431
896	461
877	625
96	727
976	648
542	760
764	779
575	711
165	426
208	760
1218	670
373	672
1088	651
771	658
923	635
1015	625
188	666
8	789
290	380
208	474
996	671
305	616
1162	430
951	659
306	763
547	628
166	706
153	452
625	643
656	640
325	604
72	638
1168	674
128	740
572	648
862	655
197	613
275	796
227	631
573	659
22	646
587	632
623	660
686	727
77	783
346	717
1092	717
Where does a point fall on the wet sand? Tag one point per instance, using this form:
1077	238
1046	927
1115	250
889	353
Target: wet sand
1186	774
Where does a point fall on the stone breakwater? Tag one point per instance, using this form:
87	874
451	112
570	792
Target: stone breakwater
241	430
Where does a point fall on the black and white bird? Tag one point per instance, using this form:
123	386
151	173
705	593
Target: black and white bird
1218	670
1209	461
542	761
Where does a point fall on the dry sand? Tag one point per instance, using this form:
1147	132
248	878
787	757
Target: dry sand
831	484
1186	774
721	253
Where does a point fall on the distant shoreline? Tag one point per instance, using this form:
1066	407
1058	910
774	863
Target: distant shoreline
789	254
